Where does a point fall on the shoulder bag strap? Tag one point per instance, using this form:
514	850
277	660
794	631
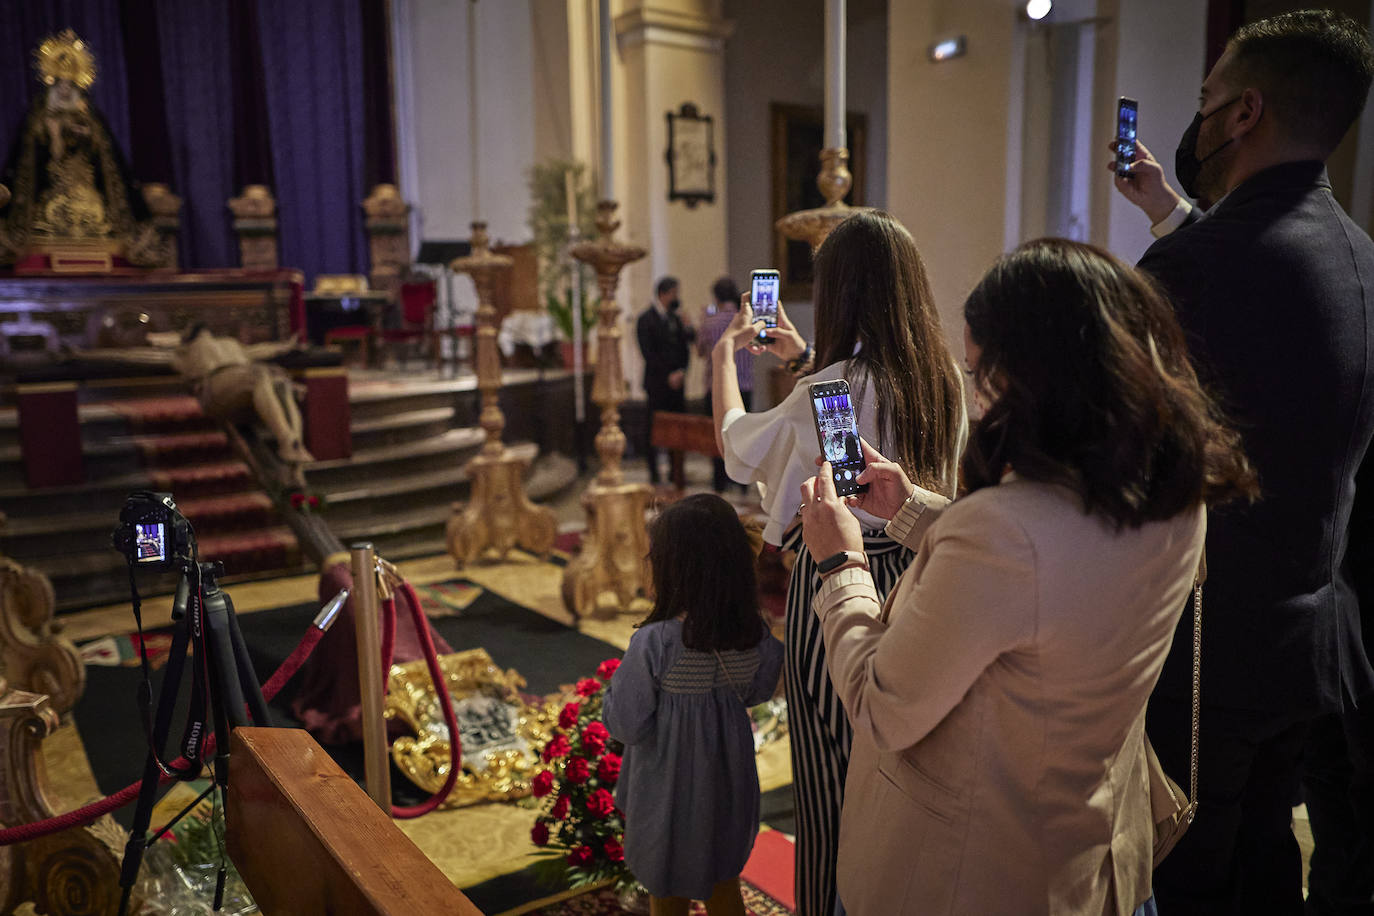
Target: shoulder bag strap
739	694
1197	676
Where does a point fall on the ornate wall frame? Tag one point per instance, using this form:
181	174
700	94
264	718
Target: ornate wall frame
691	156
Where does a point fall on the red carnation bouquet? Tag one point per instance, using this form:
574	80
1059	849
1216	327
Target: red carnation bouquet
580	826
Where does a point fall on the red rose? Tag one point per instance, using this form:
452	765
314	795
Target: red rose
314	502
558	746
608	770
542	784
614	851
567	719
594	739
297	500
560	808
580	857
607	668
588	686
539	833
577	771
601	803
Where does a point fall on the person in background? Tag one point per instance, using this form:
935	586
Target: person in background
679	702
664	341
725	296
876	327
998	695
1275	286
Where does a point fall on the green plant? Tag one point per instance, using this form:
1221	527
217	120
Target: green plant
550	229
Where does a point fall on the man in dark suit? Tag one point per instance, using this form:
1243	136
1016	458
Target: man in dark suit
664	341
1274	285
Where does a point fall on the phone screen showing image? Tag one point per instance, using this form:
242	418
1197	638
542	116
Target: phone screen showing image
763	299
838	433
1126	111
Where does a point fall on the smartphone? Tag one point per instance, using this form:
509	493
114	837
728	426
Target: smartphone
838	433
763	299
1126	110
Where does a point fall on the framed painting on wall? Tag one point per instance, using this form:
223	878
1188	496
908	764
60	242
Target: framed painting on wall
798	135
691	156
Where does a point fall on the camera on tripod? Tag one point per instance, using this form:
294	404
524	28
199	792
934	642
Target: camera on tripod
152	534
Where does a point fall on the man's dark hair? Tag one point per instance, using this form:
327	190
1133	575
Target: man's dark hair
725	290
703	571
665	284
1092	388
1313	67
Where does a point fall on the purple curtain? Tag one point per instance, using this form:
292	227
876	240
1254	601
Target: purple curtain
200	123
24	24
312	52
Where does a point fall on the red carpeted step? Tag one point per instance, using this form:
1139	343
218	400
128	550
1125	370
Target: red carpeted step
771	867
252	551
170	411
182	448
200	480
233	512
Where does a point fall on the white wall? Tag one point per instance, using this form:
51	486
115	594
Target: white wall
432	71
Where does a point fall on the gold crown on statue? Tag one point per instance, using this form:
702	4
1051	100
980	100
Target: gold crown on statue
64	57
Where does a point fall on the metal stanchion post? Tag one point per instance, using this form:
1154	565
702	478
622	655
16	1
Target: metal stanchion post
366	611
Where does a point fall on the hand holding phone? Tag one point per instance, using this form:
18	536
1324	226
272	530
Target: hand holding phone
763	299
838	433
1126	114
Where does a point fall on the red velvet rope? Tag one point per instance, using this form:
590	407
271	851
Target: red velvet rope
455	744
88	814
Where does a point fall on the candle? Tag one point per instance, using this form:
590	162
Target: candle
834	74
607	159
472	109
570	190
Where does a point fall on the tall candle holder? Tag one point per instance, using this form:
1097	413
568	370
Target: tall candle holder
499	516
611	571
814	225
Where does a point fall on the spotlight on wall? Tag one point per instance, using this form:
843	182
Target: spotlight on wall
1038	9
948	49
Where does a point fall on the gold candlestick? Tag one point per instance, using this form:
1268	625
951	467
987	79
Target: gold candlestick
834	182
611	571
499	515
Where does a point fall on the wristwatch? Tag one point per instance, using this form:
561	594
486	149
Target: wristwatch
843	558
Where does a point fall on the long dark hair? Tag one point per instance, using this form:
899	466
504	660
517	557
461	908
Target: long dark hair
703	570
872	292
1091	387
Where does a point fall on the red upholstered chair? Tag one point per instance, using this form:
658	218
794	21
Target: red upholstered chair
417	297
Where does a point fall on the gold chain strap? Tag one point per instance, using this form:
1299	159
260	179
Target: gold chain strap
1197	679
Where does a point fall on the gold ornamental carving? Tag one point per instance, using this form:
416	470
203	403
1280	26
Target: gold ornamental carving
499	516
33	656
165	208
72	872
255	222
609	573
501	734
814	225
388	236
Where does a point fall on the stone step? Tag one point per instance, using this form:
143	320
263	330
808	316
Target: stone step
451	449
398	428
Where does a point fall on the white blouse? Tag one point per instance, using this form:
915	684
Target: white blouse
777	448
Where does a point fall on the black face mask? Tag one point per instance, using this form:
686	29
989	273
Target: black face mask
1187	166
674	305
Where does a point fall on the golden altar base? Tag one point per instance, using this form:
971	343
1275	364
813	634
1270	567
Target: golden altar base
499	516
612	570
814	225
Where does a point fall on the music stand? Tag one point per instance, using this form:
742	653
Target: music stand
442	252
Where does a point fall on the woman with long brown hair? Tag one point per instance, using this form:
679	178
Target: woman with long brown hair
876	327
998	694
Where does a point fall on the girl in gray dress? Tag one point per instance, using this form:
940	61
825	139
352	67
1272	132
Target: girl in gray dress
689	787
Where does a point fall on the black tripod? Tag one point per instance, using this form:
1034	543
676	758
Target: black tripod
224	689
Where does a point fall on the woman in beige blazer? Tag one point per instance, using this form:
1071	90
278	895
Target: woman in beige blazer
998	696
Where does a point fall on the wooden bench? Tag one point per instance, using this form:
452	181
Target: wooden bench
306	839
683	432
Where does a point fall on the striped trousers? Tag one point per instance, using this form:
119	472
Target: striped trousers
816	721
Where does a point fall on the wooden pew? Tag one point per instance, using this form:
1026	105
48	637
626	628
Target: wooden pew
307	839
683	432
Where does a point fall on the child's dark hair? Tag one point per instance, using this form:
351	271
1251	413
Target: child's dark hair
703	570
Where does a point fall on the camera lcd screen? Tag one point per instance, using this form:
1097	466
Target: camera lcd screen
839	438
763	298
151	543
